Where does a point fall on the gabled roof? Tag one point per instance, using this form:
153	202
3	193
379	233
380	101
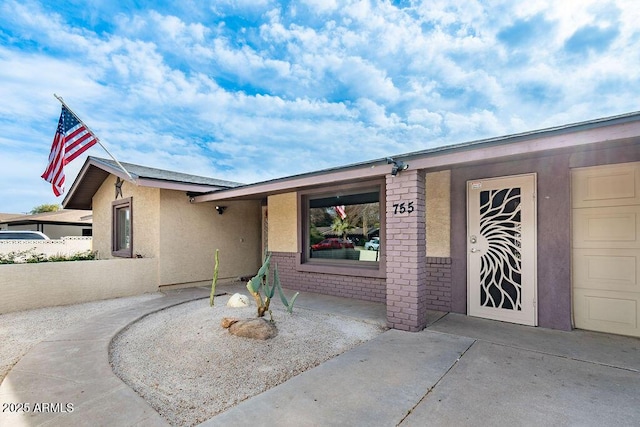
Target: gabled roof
95	170
6	216
64	216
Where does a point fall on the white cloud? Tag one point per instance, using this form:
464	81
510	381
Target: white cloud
321	6
253	90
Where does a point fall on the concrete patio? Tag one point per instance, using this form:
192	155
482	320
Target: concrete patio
459	371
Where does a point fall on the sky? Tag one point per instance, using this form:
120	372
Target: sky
252	90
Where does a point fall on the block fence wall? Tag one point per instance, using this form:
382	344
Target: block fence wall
49	284
68	245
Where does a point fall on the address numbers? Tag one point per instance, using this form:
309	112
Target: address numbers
403	207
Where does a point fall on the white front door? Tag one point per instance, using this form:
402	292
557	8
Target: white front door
501	249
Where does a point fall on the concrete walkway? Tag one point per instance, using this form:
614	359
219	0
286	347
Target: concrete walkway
459	371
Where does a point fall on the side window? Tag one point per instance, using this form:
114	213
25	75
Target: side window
343	226
122	230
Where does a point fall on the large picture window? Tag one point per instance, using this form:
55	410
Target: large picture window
343	227
122	238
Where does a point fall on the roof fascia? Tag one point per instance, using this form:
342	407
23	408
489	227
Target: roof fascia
583	138
117	171
305	181
76	183
173	185
85	169
494	149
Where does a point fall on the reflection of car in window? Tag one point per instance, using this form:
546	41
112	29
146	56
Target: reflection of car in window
373	244
332	243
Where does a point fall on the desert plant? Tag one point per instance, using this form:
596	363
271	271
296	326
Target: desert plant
215	279
31	257
259	284
283	298
14	257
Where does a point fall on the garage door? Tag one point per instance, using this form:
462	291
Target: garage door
606	248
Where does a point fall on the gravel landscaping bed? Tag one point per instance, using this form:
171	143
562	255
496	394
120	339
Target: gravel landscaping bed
189	368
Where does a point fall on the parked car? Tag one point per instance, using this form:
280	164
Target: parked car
22	235
332	243
373	244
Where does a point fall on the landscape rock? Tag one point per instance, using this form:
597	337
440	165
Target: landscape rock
257	328
238	300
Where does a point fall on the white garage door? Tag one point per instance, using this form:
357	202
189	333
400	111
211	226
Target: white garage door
606	248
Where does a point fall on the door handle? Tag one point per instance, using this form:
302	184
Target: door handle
474	250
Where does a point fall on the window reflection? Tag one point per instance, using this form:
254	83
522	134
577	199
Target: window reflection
344	227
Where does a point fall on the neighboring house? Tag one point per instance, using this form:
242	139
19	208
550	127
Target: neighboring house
153	216
62	223
539	228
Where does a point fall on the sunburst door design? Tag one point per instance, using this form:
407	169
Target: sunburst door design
501	249
500	268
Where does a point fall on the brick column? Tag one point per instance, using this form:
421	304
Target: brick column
406	251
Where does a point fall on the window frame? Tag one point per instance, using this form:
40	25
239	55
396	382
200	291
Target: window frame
115	206
340	267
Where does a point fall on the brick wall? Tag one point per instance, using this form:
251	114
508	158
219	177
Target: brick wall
406	251
439	283
362	288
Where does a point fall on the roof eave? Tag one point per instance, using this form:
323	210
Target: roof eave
179	186
93	166
581	134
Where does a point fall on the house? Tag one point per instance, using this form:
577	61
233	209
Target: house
62	223
540	228
149	213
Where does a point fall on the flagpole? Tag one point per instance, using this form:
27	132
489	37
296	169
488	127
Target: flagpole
59	98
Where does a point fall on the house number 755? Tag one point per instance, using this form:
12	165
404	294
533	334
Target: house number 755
402	208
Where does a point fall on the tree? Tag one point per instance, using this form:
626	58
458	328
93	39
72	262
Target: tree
341	226
364	215
53	207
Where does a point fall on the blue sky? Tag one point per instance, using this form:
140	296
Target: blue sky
250	90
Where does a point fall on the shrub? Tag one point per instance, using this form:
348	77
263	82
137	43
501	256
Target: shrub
31	257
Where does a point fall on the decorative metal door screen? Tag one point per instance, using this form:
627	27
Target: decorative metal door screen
501	249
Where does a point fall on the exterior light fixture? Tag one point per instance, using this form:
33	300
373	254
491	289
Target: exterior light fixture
220	209
397	166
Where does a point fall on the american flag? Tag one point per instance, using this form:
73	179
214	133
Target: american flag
341	212
72	139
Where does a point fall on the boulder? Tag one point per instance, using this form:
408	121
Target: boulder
258	328
238	300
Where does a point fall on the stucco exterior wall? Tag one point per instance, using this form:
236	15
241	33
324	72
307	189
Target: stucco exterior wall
553	237
438	206
190	233
554	224
282	217
29	286
146	218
